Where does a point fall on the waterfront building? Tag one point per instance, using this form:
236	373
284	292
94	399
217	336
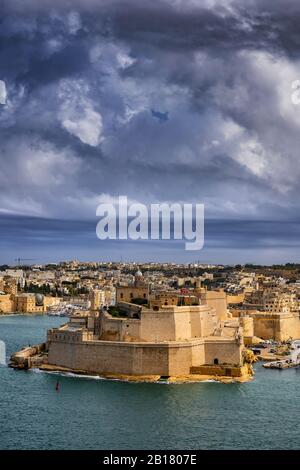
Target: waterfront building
279	326
10	285
34	303
215	299
97	298
7	304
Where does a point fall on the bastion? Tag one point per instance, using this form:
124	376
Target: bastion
185	341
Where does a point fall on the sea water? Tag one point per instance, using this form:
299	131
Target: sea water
95	413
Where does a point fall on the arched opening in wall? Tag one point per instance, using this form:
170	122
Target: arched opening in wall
216	361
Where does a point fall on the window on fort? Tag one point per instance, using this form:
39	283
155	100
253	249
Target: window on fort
131	295
121	295
216	361
144	296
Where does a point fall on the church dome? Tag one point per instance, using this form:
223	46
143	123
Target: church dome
39	299
139	273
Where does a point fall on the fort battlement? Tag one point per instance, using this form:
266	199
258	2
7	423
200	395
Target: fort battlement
167	342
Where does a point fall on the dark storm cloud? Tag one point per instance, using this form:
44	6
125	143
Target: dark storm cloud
50	240
161	101
178	24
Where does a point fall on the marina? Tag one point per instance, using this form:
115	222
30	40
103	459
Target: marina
293	360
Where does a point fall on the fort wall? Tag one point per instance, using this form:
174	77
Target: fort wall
127	358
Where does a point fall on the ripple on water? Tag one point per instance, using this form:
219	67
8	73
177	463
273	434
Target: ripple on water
94	413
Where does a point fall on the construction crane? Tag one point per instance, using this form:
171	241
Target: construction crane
23	259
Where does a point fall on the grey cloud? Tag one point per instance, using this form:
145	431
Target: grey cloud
78	120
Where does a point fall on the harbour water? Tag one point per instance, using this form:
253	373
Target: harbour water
90	413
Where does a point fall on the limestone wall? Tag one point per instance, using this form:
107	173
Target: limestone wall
276	326
177	323
235	299
127	293
226	352
182	325
247	324
266	327
158	326
209	320
224	370
7	305
165	359
196	324
119	329
110	328
217	300
182	358
198	354
290	328
131	330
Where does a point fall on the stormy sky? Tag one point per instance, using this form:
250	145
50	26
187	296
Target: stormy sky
162	101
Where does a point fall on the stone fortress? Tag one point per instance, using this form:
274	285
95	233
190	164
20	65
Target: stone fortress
171	322
159	339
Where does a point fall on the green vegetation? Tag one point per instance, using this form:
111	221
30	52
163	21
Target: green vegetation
34	289
56	291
